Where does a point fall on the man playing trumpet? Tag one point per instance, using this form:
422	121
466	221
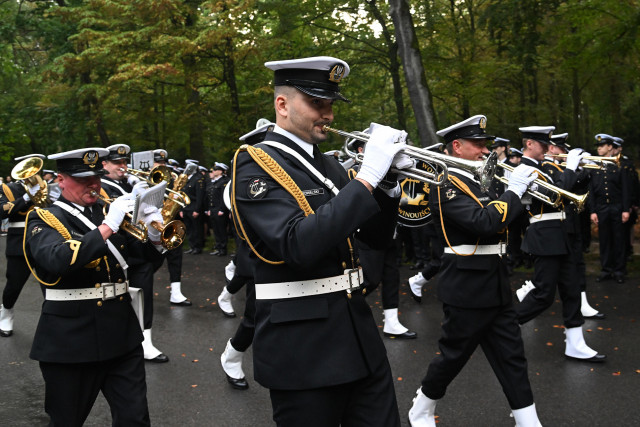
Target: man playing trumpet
88	338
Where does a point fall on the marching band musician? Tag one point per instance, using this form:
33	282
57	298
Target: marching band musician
473	284
572	223
316	345
546	239
609	205
116	183
217	212
173	256
88	337
15	203
191	214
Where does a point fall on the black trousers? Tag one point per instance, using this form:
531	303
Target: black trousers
195	230
243	337
610	231
141	276
551	272
219	224
71	390
436	251
497	332
174	264
420	238
380	266
17	274
369	402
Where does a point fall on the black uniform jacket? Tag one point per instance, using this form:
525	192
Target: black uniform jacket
13	207
214	191
475	281
194	188
115	189
547	238
83	330
316	341
610	188
572	221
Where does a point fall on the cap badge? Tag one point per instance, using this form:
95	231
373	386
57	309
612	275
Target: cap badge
90	158
122	150
550	133
599	138
337	73
483	123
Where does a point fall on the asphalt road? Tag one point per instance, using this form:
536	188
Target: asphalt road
191	389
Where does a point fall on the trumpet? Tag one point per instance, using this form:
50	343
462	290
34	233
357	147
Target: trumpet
600	161
482	170
556	193
27	173
171	234
174	198
155	176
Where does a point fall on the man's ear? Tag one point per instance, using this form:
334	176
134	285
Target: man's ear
281	104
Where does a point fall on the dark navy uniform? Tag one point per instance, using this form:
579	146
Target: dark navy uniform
608	198
474	289
629	169
548	242
88	345
15	208
328	342
194	188
215	204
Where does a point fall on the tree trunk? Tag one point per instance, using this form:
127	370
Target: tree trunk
414	71
196	143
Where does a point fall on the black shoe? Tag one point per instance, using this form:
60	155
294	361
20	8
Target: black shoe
216	252
619	278
228	313
185	303
597	316
5	334
598	358
603	276
196	252
240	384
222	253
161	358
188	251
409	335
418	266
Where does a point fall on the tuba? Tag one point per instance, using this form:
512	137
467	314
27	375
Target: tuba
177	199
27	172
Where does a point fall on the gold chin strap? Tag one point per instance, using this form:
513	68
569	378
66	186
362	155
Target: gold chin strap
274	170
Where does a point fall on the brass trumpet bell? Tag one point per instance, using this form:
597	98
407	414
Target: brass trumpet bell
26	172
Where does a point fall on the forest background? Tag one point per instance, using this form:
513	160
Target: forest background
188	76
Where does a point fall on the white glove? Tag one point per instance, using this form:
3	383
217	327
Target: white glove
403	161
32	192
380	152
133	180
587	161
117	211
152	214
574	157
140	187
520	179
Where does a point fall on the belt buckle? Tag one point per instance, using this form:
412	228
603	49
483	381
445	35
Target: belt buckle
502	248
106	286
351	287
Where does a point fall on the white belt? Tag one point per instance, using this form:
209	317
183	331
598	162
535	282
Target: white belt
106	291
497	249
547	217
15	224
349	281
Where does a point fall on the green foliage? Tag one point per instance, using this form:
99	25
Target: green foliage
188	76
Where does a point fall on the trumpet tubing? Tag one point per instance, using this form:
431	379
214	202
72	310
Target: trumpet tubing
558	193
27	173
155	176
138	230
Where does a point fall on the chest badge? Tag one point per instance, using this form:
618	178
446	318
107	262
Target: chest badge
257	188
451	193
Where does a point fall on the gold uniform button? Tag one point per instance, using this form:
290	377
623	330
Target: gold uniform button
344	264
119	280
121	246
99	303
97	285
121	298
117	265
98	268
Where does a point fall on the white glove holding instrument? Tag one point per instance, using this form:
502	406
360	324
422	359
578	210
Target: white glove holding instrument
152	214
32	192
140	187
133	180
117	211
520	179
383	145
587	161
574	157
